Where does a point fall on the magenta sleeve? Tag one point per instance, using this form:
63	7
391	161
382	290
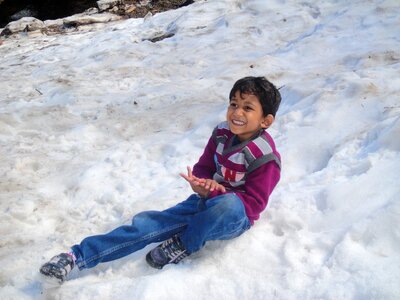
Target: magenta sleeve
205	167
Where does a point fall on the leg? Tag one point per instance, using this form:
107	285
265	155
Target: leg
146	228
224	218
220	218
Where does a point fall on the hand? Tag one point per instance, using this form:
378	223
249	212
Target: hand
202	186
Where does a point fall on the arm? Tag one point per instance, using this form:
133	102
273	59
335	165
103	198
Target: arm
205	167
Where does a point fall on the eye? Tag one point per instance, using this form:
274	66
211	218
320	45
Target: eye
248	108
232	104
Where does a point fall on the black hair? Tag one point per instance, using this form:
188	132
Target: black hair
266	92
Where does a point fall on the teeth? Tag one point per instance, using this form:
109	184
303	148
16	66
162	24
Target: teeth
239	123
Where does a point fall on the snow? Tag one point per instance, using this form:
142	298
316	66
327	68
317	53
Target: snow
95	126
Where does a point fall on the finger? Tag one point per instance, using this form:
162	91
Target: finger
187	178
189	171
200	181
214	186
197	178
208	184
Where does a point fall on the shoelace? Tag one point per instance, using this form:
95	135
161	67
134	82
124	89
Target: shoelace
173	250
62	260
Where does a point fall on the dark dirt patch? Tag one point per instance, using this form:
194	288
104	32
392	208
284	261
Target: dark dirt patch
12	10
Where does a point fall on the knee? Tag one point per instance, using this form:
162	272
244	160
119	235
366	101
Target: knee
144	217
229	204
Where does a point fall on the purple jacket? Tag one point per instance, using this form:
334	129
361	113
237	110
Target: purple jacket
250	169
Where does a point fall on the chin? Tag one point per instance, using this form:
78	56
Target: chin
234	130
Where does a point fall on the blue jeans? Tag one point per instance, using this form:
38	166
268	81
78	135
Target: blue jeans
195	220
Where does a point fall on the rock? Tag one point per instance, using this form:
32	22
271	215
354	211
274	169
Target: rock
129	8
107	4
79	20
107	11
159	37
91	11
53	23
6	32
25	24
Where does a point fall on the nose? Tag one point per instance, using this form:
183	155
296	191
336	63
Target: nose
238	112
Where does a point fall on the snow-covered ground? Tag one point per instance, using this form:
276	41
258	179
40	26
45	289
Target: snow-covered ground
96	125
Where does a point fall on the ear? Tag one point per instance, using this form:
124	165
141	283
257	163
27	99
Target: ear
267	121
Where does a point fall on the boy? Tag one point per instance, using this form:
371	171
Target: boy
233	180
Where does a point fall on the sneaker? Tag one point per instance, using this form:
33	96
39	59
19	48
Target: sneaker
169	252
58	267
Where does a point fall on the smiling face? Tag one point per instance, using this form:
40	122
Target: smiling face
245	116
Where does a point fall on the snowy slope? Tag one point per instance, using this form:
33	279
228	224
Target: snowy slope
96	125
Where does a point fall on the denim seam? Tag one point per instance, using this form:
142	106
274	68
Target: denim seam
127	244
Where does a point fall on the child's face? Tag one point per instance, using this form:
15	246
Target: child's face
245	116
